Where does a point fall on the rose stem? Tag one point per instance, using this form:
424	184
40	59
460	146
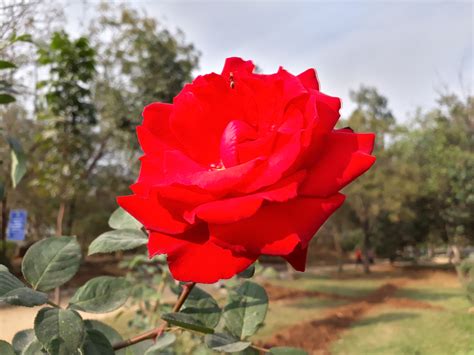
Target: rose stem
153	334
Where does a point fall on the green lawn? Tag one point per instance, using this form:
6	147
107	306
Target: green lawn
406	331
352	287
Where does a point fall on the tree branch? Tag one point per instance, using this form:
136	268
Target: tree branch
153	334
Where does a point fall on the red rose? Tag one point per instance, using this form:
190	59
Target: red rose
241	165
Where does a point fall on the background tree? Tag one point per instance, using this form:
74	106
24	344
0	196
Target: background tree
68	115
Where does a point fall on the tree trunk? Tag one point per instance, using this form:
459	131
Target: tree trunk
338	247
71	216
366	251
59	219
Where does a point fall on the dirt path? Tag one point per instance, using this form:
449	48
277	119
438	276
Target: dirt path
337	320
278	293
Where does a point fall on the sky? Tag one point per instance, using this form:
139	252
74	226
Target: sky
409	50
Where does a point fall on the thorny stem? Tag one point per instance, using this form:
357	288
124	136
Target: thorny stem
155	333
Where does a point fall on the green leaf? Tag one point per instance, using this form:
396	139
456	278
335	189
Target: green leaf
6	65
139	348
6	99
5	348
162	342
14	292
287	351
96	343
24	296
202	307
225	343
123	239
61	331
51	262
22	339
110	333
121	219
34	348
186	321
101	295
18	157
246	309
23	38
8	282
247	273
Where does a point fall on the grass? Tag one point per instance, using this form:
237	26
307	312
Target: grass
351	287
393	331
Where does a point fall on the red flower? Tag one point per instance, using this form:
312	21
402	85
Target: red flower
241	165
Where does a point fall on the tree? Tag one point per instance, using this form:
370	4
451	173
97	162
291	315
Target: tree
366	197
68	115
444	151
139	62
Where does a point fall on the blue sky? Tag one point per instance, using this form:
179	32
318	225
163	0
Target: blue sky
408	50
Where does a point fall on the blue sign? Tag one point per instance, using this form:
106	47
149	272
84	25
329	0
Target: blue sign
16	228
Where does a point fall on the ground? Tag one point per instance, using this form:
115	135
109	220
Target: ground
394	310
391	311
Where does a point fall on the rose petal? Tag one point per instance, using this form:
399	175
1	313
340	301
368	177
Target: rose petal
233	209
235	64
309	78
297	258
156	119
344	158
198	259
275	222
151	212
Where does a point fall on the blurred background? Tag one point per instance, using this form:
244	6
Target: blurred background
382	272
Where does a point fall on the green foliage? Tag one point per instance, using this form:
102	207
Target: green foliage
51	262
225	343
202	307
466	275
101	294
34	348
162	342
18	161
248	272
7	91
121	219
22	339
60	331
5	348
24	296
96	343
246	310
72	67
4	64
152	64
14	292
123	239
287	351
6	99
186	321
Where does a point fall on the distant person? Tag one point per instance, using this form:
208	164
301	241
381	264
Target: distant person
358	256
